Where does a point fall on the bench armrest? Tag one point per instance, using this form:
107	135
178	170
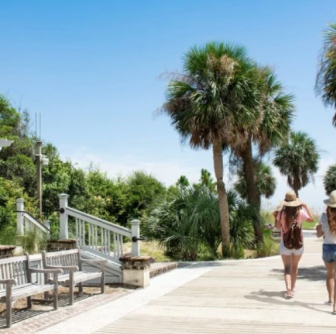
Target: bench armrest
70	268
96	263
10	281
46	271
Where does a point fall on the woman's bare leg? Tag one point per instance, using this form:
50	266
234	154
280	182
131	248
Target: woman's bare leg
295	264
334	305
287	261
330	283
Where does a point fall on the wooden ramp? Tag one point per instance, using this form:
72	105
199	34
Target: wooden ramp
239	297
163	325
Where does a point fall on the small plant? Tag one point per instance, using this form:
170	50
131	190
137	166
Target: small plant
32	242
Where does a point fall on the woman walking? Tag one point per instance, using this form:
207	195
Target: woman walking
289	220
327	228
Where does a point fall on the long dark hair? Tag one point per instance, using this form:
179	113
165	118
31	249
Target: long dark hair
292	213
331	214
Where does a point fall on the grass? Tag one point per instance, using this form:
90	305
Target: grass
149	248
309	226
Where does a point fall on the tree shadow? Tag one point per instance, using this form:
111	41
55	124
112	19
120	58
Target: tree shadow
317	273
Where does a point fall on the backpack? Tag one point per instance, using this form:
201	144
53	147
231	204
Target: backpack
292	239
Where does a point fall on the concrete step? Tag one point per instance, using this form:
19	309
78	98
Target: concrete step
158	268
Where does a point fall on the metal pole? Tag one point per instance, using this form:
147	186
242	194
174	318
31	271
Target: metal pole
39	174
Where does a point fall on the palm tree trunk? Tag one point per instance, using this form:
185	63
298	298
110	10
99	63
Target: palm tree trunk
253	197
296	183
296	192
223	202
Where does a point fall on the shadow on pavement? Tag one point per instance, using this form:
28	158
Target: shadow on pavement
268	297
317	273
25	313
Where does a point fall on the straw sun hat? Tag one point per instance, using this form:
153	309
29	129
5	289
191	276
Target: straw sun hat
332	200
291	200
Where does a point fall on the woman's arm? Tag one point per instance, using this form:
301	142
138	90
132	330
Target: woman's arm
310	219
277	222
319	231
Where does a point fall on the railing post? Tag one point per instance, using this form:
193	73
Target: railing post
63	199
20	219
135	230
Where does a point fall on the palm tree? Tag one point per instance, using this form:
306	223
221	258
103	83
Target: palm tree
182	182
326	77
276	114
298	160
329	180
207	101
263	178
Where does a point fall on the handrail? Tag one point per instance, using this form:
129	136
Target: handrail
33	220
98	221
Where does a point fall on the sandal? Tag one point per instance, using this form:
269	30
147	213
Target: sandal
288	296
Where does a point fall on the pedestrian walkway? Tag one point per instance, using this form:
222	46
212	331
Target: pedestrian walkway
217	297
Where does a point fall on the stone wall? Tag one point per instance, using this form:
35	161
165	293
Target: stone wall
60	245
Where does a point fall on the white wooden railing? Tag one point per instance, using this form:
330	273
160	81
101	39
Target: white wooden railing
27	223
97	235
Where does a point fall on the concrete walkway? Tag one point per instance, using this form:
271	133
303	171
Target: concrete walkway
222	297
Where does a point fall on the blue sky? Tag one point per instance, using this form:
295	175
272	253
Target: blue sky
92	69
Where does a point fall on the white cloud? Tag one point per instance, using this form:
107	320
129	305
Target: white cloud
170	170
166	171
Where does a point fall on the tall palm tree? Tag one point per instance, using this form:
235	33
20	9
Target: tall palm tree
207	101
276	109
263	178
326	77
329	179
298	160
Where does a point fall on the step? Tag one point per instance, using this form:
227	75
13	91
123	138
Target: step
158	268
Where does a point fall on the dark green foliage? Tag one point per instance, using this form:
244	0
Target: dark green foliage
91	191
329	180
298	160
188	224
265	181
326	78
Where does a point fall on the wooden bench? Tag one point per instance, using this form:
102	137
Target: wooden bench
70	262
16	282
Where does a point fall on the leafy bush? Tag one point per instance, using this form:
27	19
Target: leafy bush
241	230
268	248
187	224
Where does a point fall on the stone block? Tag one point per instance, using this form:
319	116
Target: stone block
138	278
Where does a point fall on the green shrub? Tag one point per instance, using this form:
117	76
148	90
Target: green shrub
268	248
33	241
187	224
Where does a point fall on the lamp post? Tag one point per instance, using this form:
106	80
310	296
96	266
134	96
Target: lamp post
40	160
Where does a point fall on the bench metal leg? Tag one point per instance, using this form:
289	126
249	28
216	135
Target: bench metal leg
55	300
9	306
103	282
71	294
29	302
71	288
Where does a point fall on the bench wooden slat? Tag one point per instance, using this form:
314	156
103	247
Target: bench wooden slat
18	268
71	277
